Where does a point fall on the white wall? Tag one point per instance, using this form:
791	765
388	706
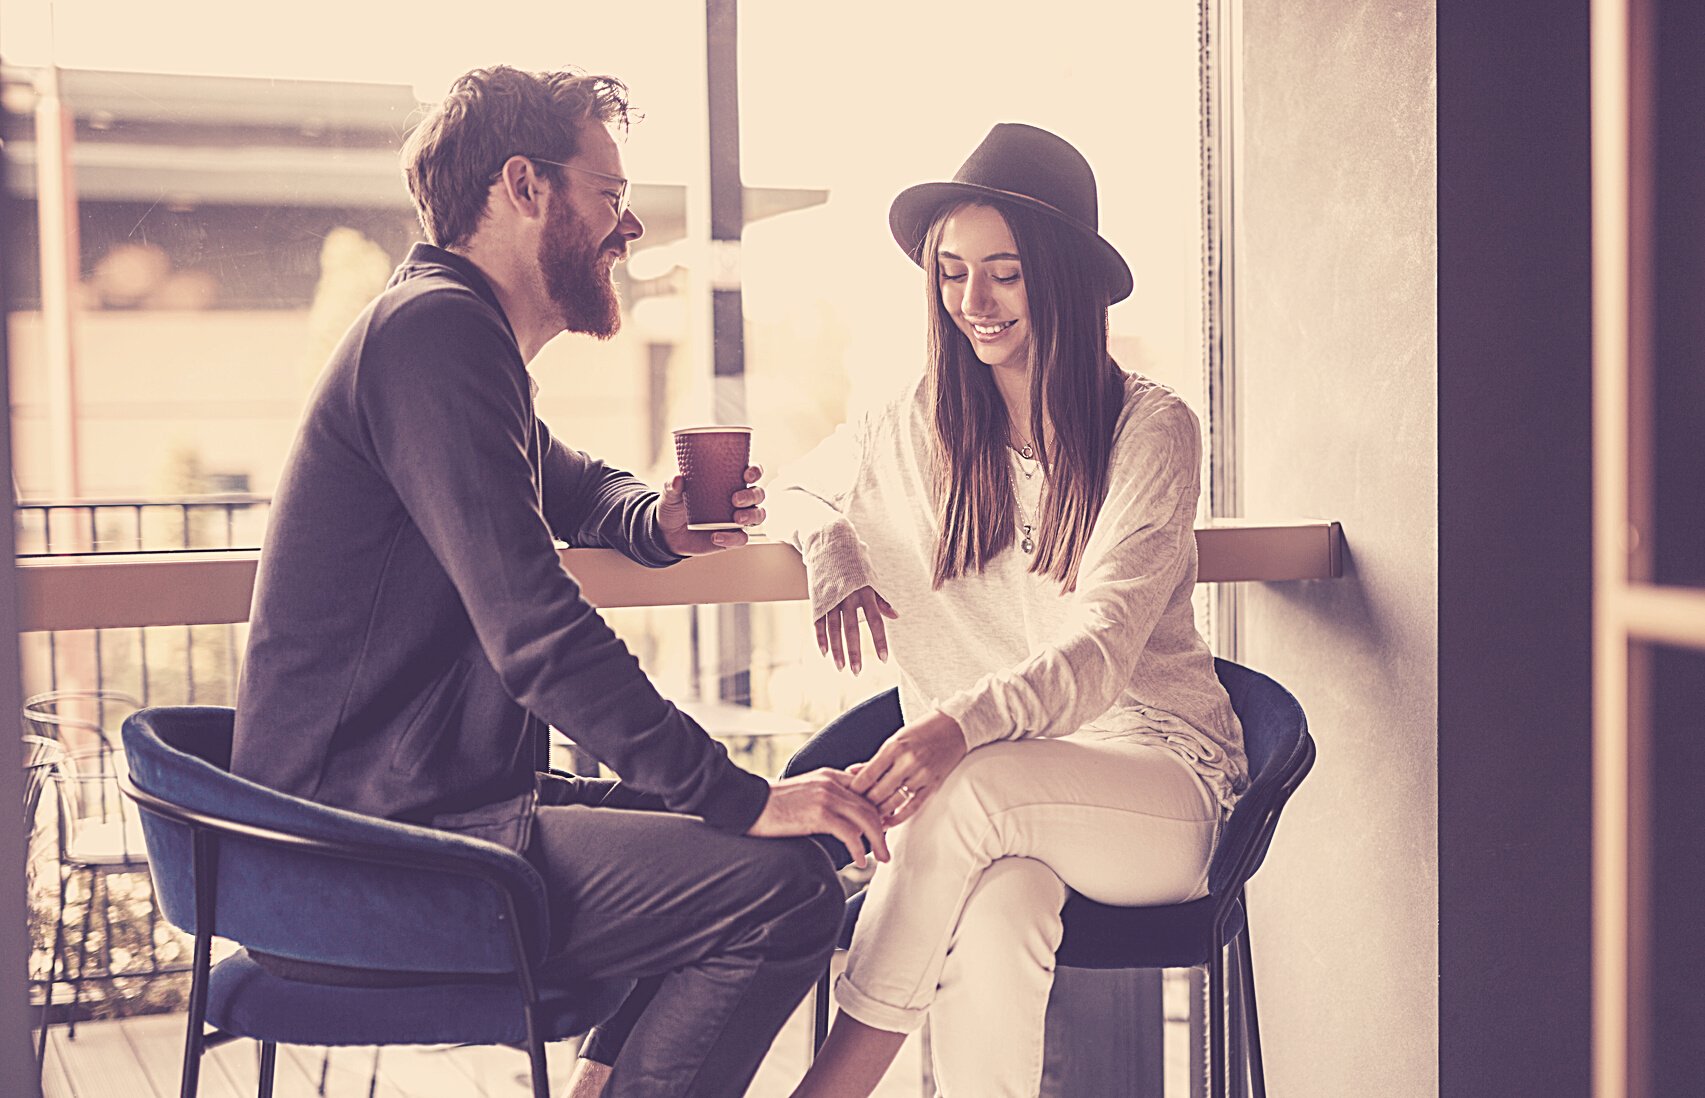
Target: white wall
1337	334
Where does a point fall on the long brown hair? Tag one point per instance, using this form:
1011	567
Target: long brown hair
1074	382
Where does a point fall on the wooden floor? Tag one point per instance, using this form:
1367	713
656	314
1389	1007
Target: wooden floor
142	1057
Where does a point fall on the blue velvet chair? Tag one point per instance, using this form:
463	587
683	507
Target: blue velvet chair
356	930
1183	935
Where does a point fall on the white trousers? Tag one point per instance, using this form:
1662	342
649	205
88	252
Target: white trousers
963	923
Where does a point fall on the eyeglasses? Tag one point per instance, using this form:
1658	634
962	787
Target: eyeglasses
623	187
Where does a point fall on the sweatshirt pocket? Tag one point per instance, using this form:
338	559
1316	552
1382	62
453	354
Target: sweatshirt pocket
436	726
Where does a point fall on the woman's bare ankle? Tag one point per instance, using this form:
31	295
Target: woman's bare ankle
851	1062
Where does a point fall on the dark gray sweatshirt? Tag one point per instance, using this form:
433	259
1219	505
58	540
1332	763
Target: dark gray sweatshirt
413	630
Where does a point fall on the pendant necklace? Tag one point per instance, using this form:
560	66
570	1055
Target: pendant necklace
1025	453
1026	542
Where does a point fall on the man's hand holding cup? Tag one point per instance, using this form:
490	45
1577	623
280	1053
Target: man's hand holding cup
715	498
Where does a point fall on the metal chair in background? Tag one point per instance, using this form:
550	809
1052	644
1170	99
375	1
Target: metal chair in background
98	838
41	756
78	720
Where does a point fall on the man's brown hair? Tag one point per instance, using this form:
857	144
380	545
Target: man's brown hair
458	150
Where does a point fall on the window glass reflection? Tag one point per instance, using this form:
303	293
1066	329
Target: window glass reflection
234	201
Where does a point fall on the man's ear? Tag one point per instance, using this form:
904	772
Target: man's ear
519	186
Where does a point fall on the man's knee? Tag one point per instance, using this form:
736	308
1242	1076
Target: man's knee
807	892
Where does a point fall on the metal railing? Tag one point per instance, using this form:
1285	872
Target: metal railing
51	528
186	664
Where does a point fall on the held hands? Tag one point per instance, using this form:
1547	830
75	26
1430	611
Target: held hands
856	806
672	518
822	803
910	766
842	622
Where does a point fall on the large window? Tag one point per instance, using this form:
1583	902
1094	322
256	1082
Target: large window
233	201
865	105
200	197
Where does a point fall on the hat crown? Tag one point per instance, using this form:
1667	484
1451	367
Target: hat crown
1024	160
1026	167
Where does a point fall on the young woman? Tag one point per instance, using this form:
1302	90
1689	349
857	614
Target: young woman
1018	525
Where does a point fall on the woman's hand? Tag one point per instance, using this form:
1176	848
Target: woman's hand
840	626
672	518
907	770
819	803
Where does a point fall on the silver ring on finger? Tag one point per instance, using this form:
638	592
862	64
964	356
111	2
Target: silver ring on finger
906	793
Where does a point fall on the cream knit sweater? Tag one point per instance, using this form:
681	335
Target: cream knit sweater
1006	653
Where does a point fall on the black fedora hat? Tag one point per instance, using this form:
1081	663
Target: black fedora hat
1024	166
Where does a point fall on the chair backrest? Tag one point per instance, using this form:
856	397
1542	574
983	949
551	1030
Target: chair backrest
1280	751
318	884
80	716
40	757
97	822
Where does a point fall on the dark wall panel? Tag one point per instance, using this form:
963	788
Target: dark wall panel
1515	551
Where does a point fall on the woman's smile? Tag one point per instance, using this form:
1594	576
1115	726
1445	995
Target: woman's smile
982	285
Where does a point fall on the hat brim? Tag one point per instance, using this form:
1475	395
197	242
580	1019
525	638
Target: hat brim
915	208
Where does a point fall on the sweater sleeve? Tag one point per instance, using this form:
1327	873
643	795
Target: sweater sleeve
446	408
807	510
1142	554
589	504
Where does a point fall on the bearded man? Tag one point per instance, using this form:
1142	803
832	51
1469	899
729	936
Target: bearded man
413	633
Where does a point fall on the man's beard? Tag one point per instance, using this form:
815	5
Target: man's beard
574	274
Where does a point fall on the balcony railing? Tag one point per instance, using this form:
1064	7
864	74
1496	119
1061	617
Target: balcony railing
160	664
53	528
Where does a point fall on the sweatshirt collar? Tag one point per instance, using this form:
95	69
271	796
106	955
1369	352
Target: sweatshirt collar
423	255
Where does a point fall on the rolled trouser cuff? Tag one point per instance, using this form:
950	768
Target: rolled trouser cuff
877	1014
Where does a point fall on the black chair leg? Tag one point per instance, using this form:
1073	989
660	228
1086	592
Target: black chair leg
1216	1024
268	1064
41	1037
193	1039
541	1076
1236	1052
82	958
106	930
206	862
55	961
820	1013
1252	1022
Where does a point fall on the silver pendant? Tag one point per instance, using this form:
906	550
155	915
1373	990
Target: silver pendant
1027	545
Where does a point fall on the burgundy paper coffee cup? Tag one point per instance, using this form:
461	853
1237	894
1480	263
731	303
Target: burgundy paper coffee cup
713	460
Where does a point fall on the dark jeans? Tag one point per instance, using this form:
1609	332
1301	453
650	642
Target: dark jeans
852	737
725	934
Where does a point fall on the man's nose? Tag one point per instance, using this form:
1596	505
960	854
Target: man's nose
630	226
